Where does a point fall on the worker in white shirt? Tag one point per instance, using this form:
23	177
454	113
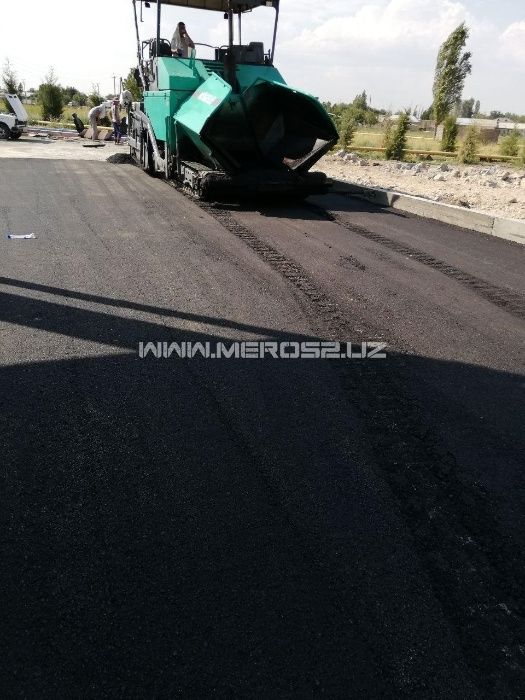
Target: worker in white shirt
115	119
181	42
95	114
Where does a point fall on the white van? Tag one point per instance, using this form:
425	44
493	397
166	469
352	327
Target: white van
14	123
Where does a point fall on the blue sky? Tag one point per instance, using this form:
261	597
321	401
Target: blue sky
332	48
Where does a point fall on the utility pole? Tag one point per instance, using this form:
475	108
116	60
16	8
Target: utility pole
114	84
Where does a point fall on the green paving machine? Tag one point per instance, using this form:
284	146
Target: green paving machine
228	126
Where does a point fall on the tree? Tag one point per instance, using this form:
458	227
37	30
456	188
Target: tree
361	101
9	78
68	93
450	134
452	68
80	98
510	145
94	99
51	77
132	85
347	129
9	81
371	118
468	151
515	117
427	114
467	108
477	108
396	138
388	125
50	97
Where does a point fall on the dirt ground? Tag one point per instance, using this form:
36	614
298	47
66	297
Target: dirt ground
57	149
495	189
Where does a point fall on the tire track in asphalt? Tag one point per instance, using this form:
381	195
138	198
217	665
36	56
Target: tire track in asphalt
474	570
499	296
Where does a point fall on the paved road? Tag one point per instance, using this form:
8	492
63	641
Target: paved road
241	528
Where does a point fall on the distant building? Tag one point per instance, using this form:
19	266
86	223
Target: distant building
415	123
412	119
491	129
395	117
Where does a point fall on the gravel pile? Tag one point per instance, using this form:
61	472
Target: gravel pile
497	189
120	159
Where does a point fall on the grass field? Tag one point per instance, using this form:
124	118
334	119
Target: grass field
368	138
34	114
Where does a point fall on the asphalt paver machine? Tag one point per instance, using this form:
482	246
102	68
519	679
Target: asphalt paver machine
228	125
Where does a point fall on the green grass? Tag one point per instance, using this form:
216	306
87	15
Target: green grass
34	113
368	137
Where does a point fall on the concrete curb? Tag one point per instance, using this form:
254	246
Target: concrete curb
472	219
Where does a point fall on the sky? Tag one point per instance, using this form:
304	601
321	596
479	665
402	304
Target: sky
333	49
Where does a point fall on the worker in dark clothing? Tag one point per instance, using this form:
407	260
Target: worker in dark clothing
79	124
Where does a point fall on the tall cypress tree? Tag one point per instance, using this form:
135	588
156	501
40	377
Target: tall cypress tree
452	68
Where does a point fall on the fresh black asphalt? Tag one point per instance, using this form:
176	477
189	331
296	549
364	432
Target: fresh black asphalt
243	528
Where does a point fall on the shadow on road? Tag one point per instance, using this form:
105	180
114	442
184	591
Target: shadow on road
314	208
24	310
172	526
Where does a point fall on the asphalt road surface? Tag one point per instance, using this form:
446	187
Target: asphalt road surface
255	528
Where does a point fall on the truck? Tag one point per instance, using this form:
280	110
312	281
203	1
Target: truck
13	123
228	125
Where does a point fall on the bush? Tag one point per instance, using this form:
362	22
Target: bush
9	84
450	134
51	101
132	85
80	98
371	118
387	133
468	151
396	138
94	99
510	145
347	129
